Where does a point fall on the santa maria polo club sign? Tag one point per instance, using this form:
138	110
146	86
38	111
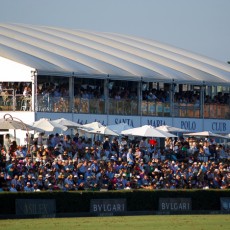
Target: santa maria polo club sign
107	206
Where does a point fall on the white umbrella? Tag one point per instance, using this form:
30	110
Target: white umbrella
205	134
146	131
68	123
118	128
171	129
49	126
103	131
12	124
9	122
91	126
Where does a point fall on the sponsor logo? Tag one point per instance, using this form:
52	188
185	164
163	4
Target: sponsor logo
175	204
107	205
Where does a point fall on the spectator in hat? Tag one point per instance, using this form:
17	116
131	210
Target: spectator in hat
50	187
28	187
87	154
36	188
88	173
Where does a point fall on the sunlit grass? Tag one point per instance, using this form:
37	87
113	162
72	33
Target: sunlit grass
163	222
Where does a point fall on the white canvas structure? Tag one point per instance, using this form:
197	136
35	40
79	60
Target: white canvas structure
68	123
205	134
9	123
92	126
171	129
11	69
146	131
103	131
49	126
12	124
118	128
97	55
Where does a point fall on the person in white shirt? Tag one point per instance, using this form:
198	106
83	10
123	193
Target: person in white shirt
130	157
206	149
26	92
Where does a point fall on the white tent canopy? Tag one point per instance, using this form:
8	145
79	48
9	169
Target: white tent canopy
49	126
68	123
92	126
103	131
147	131
205	134
171	129
95	54
118	128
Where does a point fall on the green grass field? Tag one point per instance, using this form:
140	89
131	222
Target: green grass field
163	222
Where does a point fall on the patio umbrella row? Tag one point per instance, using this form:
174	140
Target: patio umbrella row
62	125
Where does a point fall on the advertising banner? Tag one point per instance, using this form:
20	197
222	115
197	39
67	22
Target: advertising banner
225	204
40	207
175	204
109	206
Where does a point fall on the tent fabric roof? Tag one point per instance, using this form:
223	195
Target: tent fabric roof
83	53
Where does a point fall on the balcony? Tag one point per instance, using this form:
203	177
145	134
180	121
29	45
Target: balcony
11	102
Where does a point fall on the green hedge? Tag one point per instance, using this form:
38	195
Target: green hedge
137	200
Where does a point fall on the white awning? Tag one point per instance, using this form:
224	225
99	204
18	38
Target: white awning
60	51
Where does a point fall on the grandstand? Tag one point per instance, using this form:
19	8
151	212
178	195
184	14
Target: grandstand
59	72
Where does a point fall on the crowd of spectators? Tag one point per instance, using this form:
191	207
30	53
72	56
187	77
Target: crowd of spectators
18	93
194	98
51	93
17	87
119	93
65	163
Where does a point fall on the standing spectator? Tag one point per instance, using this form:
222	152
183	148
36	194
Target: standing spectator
106	144
7	142
75	138
130	157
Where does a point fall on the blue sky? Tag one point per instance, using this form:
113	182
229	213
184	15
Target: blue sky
200	26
